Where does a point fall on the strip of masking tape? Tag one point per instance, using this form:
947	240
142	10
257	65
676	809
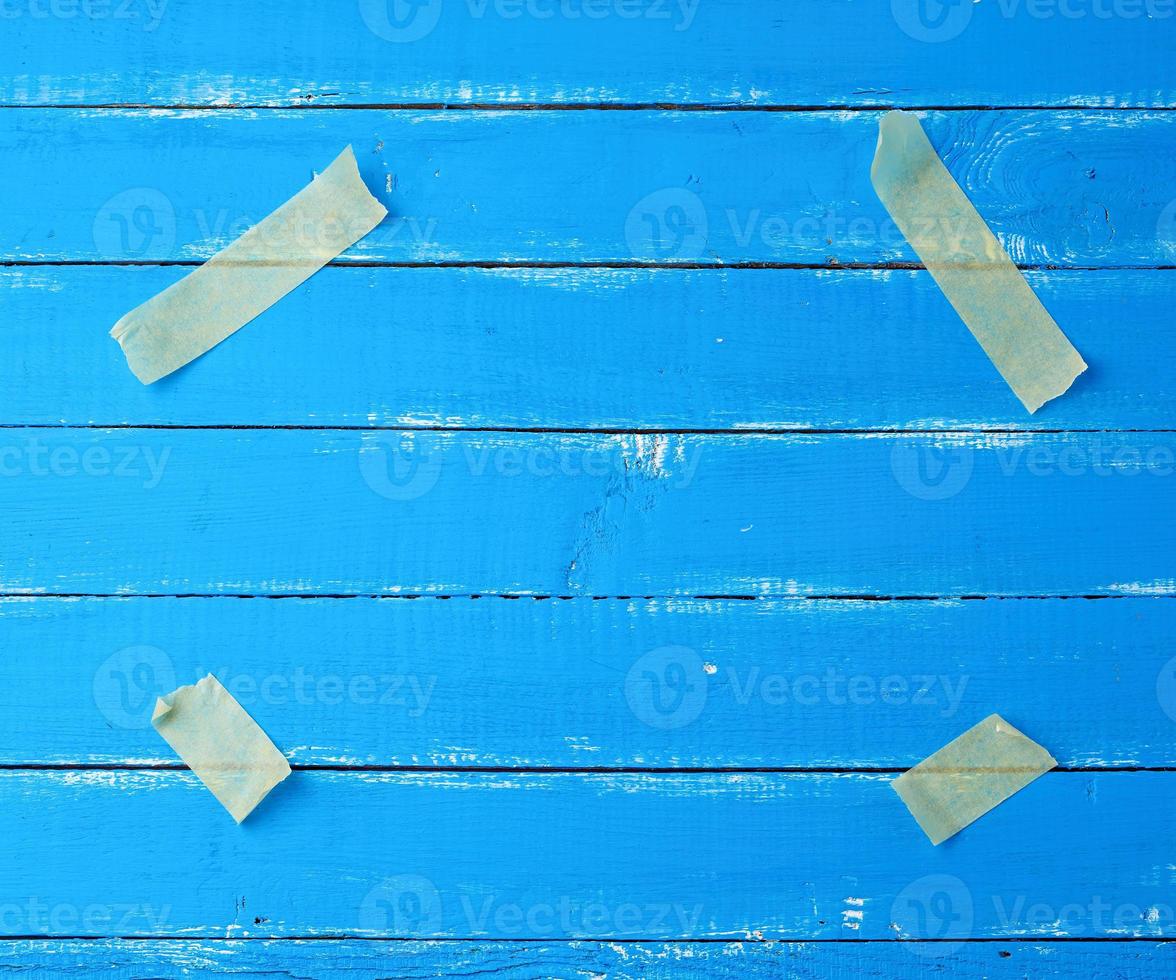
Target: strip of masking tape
247	277
969	265
969	776
221	744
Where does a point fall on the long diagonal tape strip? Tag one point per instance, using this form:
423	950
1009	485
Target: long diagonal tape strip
969	266
247	277
969	776
221	744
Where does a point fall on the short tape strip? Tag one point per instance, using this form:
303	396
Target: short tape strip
969	776
969	265
221	744
247	277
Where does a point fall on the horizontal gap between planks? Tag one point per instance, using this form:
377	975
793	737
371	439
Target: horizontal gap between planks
308	102
550	941
784	430
543	597
498	107
539	770
718	266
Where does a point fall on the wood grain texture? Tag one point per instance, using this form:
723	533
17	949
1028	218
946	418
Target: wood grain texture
1058	188
513	862
373	960
715	51
584	683
543	856
587	348
329	512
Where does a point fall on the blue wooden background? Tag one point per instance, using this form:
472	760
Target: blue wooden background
601	534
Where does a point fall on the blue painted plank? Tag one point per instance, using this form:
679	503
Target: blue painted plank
583	683
555	348
1058	188
514	856
321	511
808	52
374	959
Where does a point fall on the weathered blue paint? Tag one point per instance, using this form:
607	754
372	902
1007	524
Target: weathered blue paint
587	683
741	960
523	856
587	348
1065	188
166	511
127	850
746	52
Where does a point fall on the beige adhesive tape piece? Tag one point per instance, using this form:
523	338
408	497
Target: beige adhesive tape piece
969	266
247	277
969	776
221	744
